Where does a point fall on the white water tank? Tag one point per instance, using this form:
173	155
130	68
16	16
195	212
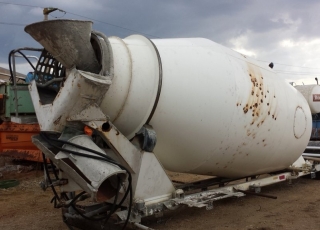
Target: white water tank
312	95
215	111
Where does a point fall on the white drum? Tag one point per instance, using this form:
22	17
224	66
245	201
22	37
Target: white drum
215	111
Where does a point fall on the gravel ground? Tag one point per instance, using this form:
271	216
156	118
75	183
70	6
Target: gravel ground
297	207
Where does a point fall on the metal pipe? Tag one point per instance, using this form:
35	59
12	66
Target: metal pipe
14	84
28	56
311	154
28	48
14	76
256	194
295	169
313	147
49	82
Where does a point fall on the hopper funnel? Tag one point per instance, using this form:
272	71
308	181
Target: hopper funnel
68	41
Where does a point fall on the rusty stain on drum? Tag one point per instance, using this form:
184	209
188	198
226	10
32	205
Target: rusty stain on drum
259	101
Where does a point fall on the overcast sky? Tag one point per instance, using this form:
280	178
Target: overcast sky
286	32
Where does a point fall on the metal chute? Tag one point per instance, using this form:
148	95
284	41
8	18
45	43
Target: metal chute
68	41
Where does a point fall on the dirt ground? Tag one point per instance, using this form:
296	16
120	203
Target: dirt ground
297	207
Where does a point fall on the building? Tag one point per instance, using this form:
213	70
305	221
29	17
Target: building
5	74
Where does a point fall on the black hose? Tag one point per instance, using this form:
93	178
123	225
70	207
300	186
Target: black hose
101	157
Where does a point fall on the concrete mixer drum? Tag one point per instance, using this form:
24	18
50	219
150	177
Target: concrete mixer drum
187	105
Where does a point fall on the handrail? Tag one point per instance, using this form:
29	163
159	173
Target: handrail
12	68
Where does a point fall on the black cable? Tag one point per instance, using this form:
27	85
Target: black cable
12	24
12	52
79	154
305	67
27	59
10	67
114	205
106	218
16	4
129	209
75	198
84	148
121	27
102	218
89	156
102	157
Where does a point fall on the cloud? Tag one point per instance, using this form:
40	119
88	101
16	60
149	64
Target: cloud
36	12
279	31
240	43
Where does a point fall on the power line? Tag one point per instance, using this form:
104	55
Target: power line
290	65
297	73
16	4
124	28
110	24
284	71
12	24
